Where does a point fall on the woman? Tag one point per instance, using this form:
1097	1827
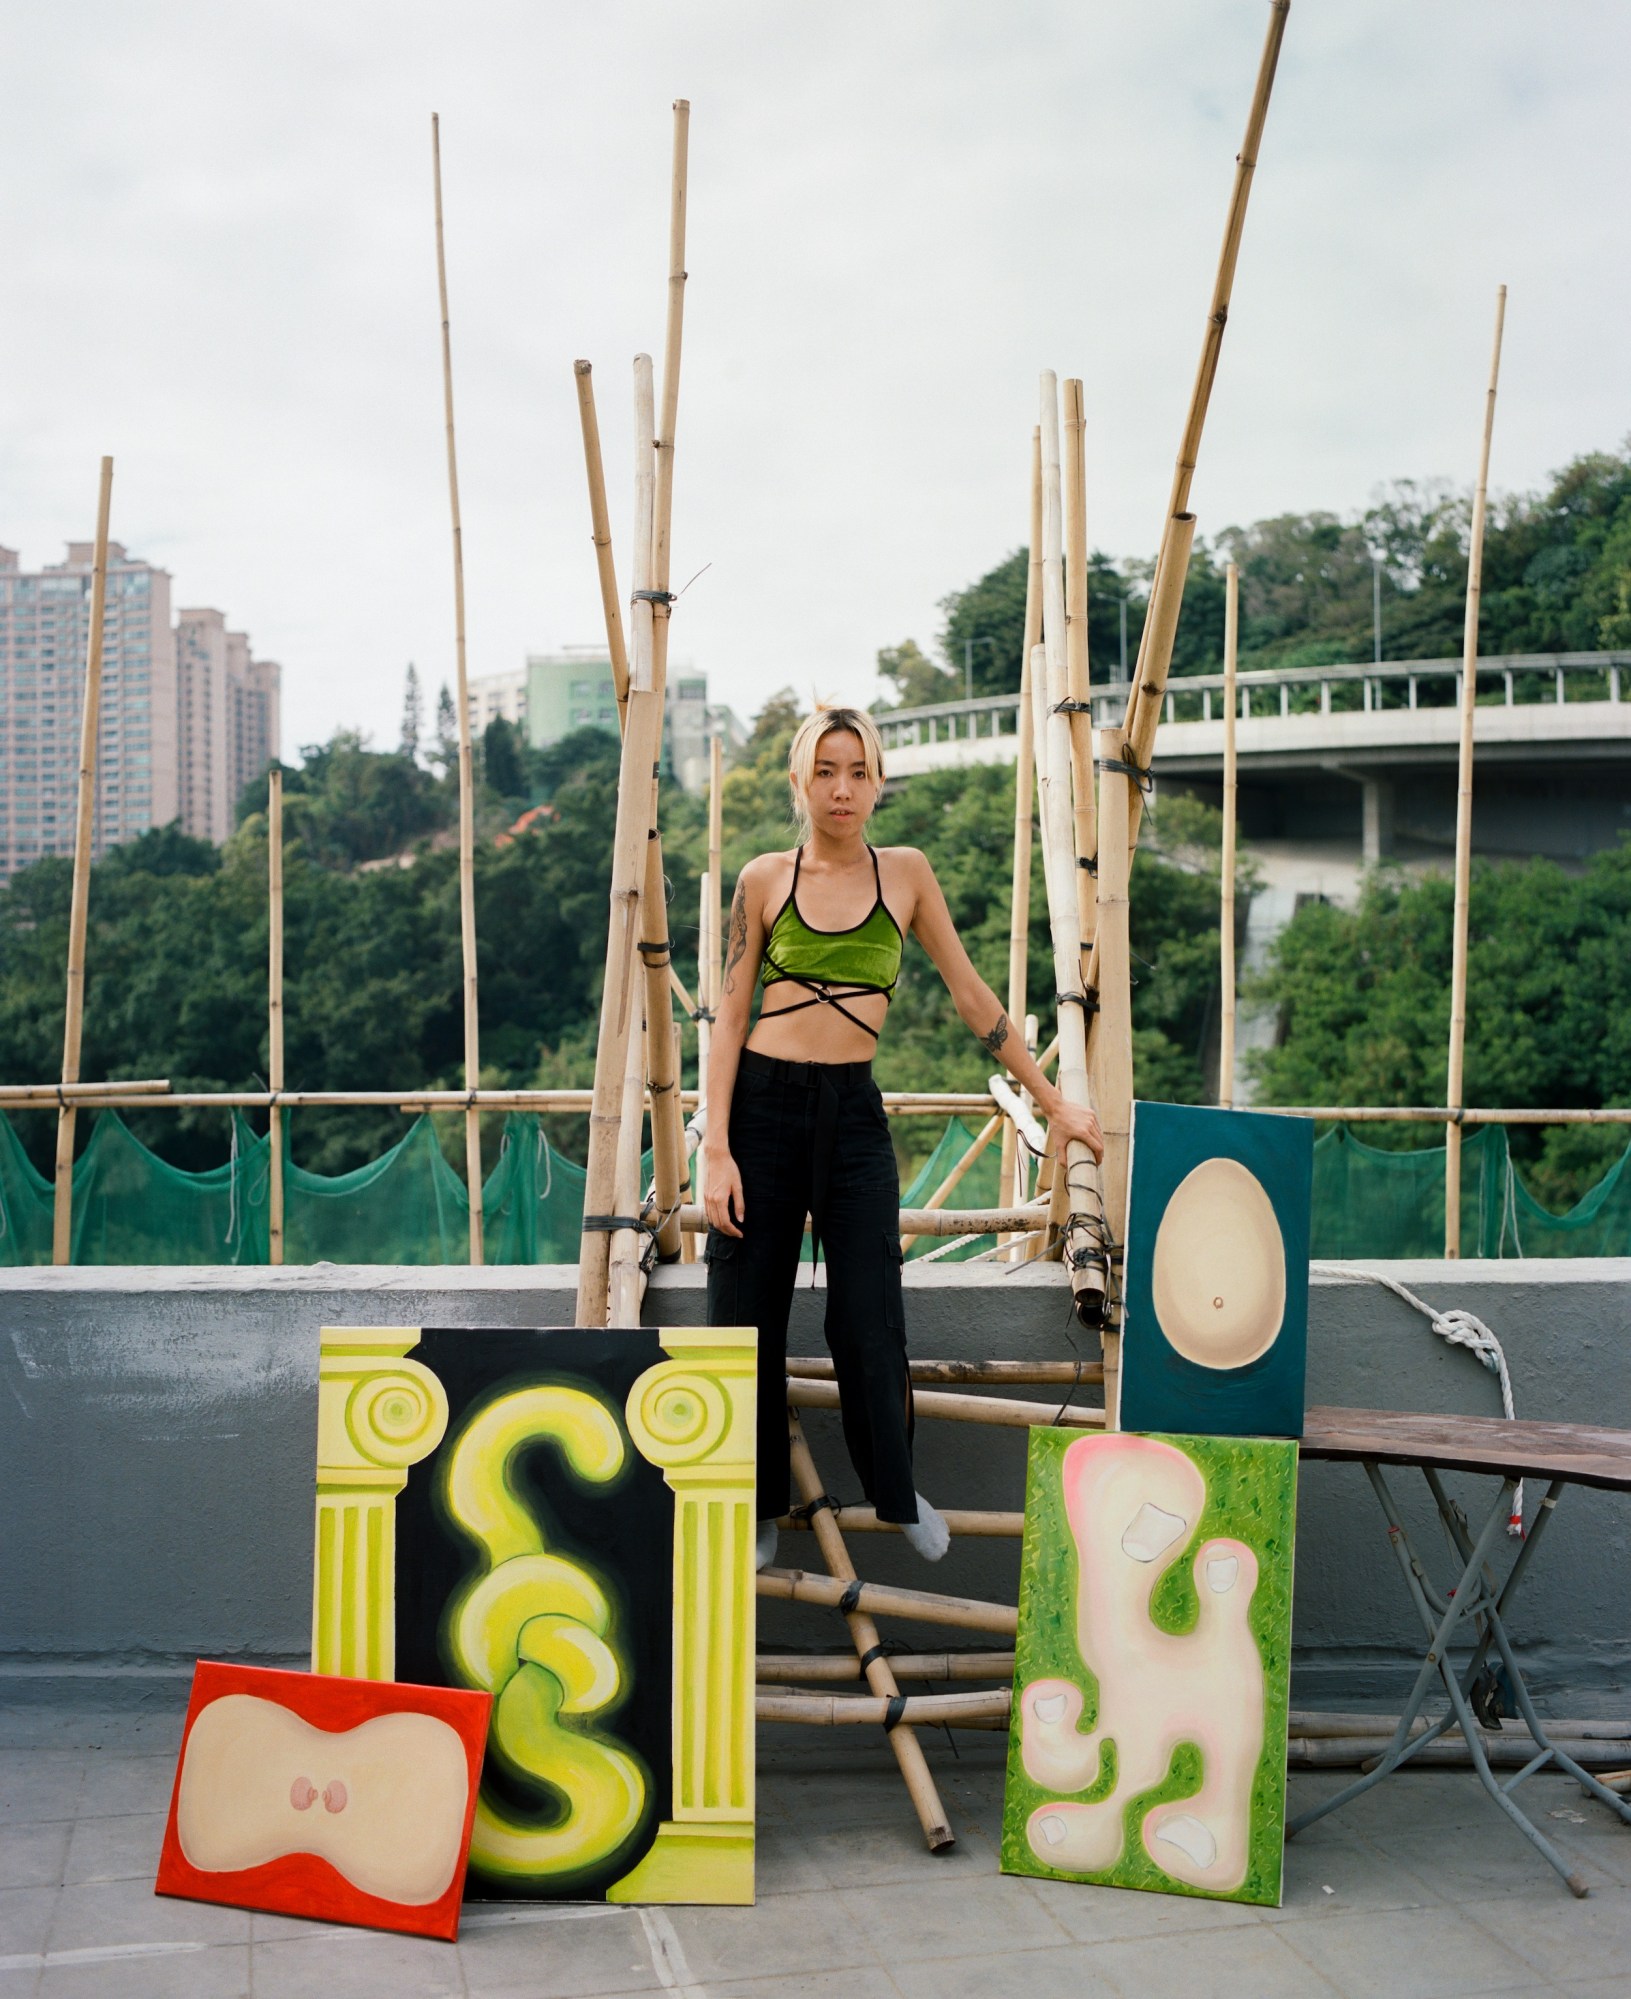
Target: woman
796	1123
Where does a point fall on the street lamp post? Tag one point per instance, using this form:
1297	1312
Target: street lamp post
968	662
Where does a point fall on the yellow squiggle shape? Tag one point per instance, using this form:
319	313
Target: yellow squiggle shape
533	1630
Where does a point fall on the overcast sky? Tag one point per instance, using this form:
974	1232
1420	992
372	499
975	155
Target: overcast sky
217	263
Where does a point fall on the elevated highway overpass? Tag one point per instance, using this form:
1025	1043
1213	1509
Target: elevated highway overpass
1360	761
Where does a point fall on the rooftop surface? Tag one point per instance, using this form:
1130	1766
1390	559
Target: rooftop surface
1419	1888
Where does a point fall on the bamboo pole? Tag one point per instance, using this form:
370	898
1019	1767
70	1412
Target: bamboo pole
1019	905
958	1613
51	1093
999	1411
921	1710
619	999
934	1221
601	534
274	1011
73	1023
669	1158
1217	318
1226	912
1077	1200
1455	1084
863	1631
1113	1037
789	1668
954	1178
708	944
960	1522
1077	676
467	824
969	1373
624	1274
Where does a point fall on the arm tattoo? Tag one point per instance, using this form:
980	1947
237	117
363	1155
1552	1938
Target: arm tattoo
739	934
993	1041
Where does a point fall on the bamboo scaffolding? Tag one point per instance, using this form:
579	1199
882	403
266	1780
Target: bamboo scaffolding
920	1710
670	1161
274	1012
619	1000
624	1272
1014	1180
467	823
1454	1087
967	1373
1077	676
159	1096
954	1178
789	1668
958	1613
1226	911
880	1678
1001	1412
73	1022
1077	1200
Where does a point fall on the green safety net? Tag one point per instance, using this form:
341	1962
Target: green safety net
409	1206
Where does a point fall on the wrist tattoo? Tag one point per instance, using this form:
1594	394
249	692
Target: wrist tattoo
993	1041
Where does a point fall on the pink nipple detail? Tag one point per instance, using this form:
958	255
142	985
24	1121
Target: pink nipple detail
302	1794
335	1797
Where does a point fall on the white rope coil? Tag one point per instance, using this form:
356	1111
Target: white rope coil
1461	1329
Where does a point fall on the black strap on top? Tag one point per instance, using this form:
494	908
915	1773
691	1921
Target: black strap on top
825	993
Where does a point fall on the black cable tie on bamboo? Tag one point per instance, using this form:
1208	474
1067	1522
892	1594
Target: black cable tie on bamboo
1090	862
1141	774
1087	1001
704	1013
654	597
850	1601
657	948
894	1711
812	1507
1072	708
872	1652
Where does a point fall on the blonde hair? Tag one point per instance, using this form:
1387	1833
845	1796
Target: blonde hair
806	744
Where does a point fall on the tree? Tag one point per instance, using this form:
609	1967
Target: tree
915	679
447	729
411	717
501	758
984	632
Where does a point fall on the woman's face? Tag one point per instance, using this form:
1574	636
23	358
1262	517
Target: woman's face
840	796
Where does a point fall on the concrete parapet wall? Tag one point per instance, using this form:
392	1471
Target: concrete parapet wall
157	1434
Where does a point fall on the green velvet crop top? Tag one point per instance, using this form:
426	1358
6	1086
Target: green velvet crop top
834	965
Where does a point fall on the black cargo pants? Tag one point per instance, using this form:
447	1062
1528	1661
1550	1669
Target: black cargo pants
813	1137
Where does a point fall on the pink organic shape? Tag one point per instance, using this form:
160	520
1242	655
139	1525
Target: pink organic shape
335	1797
302	1794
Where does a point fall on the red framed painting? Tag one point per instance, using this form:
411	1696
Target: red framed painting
348	1801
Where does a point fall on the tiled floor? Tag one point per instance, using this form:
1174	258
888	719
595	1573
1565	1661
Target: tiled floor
1419	1889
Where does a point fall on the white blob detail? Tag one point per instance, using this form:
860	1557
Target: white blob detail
1221	1573
1152	1533
1053	1828
1190	1837
1048	1707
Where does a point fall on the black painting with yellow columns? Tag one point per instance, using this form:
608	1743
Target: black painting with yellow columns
564	1518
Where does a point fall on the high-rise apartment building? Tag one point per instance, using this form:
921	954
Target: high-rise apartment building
573	689
497	697
186	718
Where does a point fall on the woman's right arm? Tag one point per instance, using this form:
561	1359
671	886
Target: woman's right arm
723	1201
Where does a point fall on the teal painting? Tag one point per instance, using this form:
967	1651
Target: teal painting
1215	1316
1152	1664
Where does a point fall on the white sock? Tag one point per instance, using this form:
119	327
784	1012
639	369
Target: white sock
929	1533
764	1549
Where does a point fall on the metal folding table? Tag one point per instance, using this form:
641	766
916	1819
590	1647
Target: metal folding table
1477	1607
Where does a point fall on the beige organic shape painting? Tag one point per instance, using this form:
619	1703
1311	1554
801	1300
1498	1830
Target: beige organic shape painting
1149	1746
1219	1272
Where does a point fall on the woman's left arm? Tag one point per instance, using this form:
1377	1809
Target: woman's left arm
983	1013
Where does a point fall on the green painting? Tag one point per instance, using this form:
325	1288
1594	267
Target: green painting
1152	1664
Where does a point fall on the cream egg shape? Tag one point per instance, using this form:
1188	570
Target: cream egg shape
1219	1276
